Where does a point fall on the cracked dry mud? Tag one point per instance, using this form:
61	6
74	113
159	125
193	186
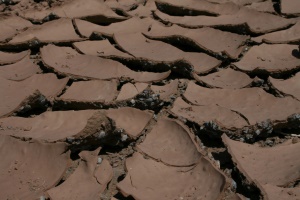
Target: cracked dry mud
150	99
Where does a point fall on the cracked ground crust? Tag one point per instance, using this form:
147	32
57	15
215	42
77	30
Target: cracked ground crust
149	99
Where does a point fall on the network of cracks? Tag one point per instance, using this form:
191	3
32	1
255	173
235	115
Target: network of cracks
150	99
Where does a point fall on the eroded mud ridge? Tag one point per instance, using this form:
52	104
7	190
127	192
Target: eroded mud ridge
150	99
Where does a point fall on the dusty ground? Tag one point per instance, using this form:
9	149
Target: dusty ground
150	99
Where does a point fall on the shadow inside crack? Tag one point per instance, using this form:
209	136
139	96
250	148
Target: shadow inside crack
296	53
121	197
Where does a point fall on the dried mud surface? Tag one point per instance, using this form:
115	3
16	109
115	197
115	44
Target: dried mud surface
150	99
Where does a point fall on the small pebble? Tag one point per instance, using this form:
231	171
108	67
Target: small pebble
132	101
99	160
42	198
295	140
70	139
101	134
233	185
269	142
257	132
124	137
218	164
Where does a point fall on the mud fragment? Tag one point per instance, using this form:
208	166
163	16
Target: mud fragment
131	120
10	58
289	86
146	177
244	21
68	62
253	103
175	146
94	11
136	25
271	168
58	126
271	59
166	92
91	91
156	51
56	31
30	168
18	96
290	36
129	91
192	7
290	7
101	48
124	5
88	180
20	70
10	25
274	192
227	78
205	39
264	6
223	117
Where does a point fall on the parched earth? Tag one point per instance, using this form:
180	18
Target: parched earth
150	99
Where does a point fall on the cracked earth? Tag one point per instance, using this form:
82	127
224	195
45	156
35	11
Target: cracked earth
150	99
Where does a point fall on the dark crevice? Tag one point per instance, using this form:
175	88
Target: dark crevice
43	68
36	110
69	83
264	74
35	105
99	20
140	102
76	29
158	19
269	88
134	7
180	67
120	12
208	139
121	178
181	43
120	85
276	6
224	158
33	45
48	18
49	70
244	29
114	149
243	186
60	182
121	197
181	11
242	116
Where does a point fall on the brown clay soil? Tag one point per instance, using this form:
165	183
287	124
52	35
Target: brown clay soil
149	99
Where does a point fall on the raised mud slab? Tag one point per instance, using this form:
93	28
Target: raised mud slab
149	99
